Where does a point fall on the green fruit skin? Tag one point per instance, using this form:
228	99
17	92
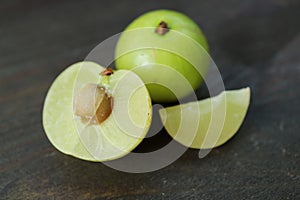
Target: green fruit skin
144	51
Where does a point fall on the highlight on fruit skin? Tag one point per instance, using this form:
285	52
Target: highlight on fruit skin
78	93
207	123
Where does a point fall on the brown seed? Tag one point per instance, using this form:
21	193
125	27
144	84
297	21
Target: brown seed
105	109
92	104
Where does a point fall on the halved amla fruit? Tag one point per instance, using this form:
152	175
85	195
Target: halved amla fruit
207	123
95	114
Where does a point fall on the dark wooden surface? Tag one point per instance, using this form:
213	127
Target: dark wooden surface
254	43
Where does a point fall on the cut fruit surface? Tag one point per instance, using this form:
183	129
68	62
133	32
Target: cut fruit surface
207	123
117	135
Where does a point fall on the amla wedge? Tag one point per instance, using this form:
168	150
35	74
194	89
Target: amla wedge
207	123
117	135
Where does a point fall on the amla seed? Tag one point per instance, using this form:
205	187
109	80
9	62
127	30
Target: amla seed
92	104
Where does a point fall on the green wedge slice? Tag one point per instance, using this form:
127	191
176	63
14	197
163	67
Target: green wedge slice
207	123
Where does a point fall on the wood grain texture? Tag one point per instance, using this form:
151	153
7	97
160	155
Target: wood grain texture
255	43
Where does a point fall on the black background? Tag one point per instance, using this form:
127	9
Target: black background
255	43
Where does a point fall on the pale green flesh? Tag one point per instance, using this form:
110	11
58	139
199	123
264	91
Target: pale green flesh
205	124
110	139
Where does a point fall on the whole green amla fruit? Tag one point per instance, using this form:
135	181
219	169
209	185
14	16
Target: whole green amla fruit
167	50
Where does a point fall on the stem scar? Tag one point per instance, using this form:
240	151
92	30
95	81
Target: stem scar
162	28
